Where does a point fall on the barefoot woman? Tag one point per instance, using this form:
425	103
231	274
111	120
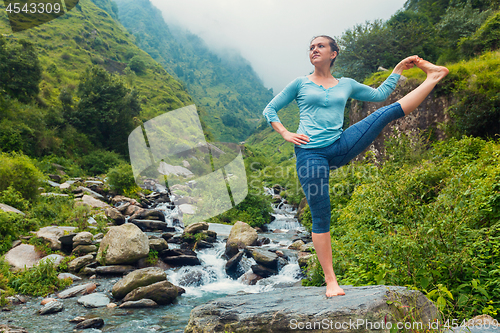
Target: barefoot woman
320	143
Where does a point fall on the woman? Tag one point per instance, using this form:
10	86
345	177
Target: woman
320	143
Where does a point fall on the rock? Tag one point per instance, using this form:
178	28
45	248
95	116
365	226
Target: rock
7	208
63	276
54	258
162	292
12	329
47	300
301	209
143	303
52	234
182	260
92	202
264	271
115	215
122	208
303	258
23	256
76	264
149	224
307	247
90	323
123	244
241	236
139	278
51	307
77	290
250	278
232	263
67	240
65	186
158	245
201	244
84	249
89	192
211	235
95	300
264	257
296	245
83	238
16	243
263	240
166	236
78	319
133	209
88	271
111	305
56	178
114	270
120	198
284	310
195	228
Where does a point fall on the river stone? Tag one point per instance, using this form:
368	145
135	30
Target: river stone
89	192
95	300
55	258
211	235
51	307
132	209
249	278
123	244
83	238
136	279
182	260
275	311
296	245
22	256
149	224
73	277
76	290
241	236
67	239
122	208
7	208
162	292
143	303
232	263
303	258
120	198
76	264
90	323
114	270
307	247
195	228
12	329
84	249
92	202
158	245
264	257
149	214
264	271
115	215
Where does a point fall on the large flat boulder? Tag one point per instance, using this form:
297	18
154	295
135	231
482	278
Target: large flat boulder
124	244
306	309
139	278
22	256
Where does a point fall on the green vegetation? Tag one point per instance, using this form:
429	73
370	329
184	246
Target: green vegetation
19	172
121	179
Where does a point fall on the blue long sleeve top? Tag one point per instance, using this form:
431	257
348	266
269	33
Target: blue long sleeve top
322	110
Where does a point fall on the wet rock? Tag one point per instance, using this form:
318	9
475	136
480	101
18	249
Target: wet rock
76	264
47	300
211	236
77	290
136	279
51	307
303	258
114	269
264	257
263	241
182	260
111	305
241	236
78	319
133	209
9	209
158	245
95	300
296	245
162	292
123	244
84	249
166	236
149	225
264	271
143	303
63	276
88	271
250	278
115	215
149	214
307	247
56	259
12	329
246	313
201	244
120	198
232	263
122	208
195	228
23	256
90	323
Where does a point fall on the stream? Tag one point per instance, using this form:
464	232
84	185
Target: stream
202	283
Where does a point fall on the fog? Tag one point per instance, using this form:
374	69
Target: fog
273	35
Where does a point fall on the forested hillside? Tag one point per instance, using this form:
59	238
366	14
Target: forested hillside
227	88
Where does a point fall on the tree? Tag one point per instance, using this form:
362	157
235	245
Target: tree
106	110
20	70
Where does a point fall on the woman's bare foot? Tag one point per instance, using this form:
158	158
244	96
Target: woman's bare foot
333	289
433	72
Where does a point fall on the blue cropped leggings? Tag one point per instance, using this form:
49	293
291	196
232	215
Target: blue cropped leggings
314	164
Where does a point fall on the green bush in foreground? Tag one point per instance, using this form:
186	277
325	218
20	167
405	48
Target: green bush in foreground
121	179
18	171
433	225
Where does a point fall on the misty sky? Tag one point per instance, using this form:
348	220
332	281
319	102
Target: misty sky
273	35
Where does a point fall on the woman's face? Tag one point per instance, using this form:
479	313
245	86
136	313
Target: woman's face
320	52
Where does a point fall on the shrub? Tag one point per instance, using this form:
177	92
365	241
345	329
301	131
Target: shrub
18	171
13	198
486	38
100	161
121	178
